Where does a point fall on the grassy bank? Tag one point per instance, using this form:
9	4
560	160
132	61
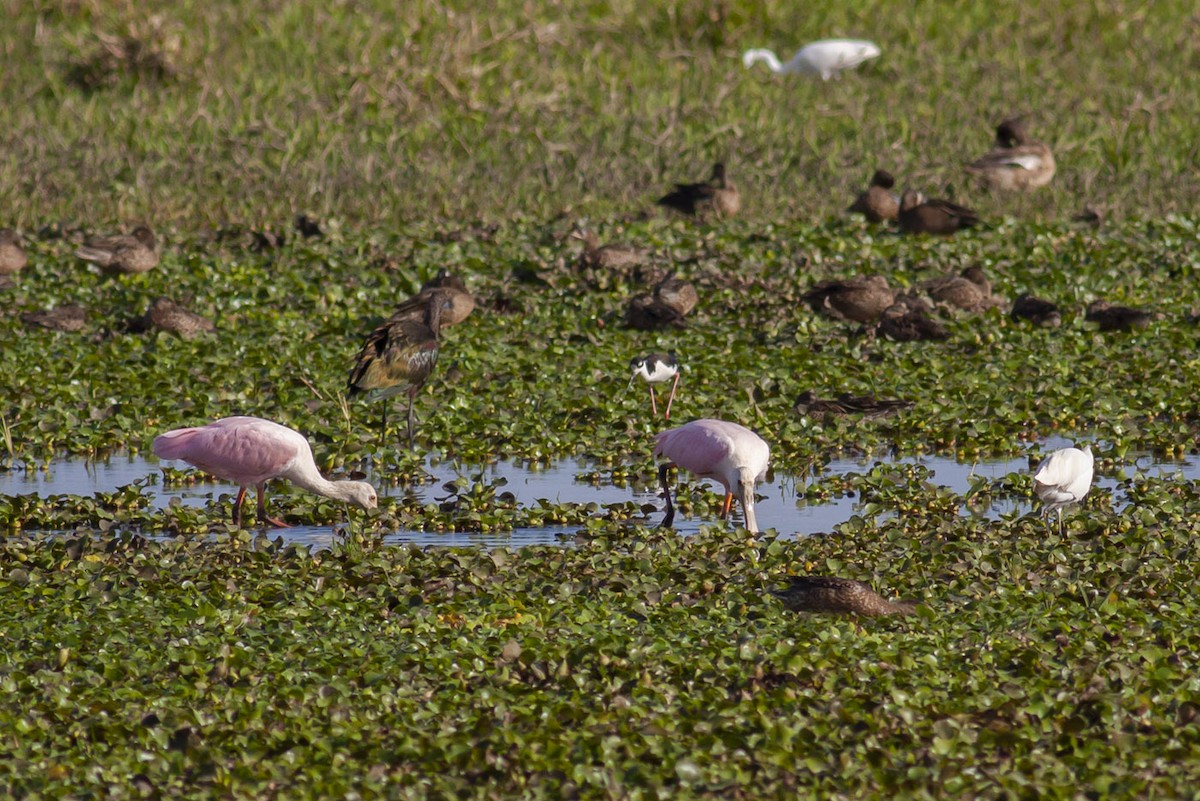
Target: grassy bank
376	113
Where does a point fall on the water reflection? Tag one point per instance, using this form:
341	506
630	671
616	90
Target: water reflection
781	506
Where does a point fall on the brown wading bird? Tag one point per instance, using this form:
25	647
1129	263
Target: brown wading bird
716	194
878	204
167	315
400	354
12	254
1112	317
921	216
1015	162
614	256
840	596
673	298
129	254
1037	311
869	406
862	299
67	319
462	302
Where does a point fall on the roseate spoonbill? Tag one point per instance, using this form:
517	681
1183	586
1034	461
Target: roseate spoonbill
727	452
840	596
657	368
68	319
400	354
869	406
250	451
1063	478
130	254
167	315
861	299
12	254
970	290
826	57
919	215
1112	317
1015	162
1038	311
878	203
716	194
613	256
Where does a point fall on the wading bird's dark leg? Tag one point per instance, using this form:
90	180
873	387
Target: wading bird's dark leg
662	478
412	394
237	507
262	510
383	424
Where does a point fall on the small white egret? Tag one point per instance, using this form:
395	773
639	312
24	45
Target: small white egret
826	57
1063	478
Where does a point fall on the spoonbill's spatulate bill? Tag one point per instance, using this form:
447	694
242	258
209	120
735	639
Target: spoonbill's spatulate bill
250	451
826	57
729	453
1063	478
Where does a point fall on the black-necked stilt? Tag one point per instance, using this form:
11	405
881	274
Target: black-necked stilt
400	354
657	368
717	194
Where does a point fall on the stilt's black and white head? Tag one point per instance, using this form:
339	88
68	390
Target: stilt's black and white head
655	368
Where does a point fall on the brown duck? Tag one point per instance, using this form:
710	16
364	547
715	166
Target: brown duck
838	596
400	354
909	322
613	256
12	254
861	299
1015	162
129	254
68	319
1036	310
167	315
921	216
878	203
970	290
869	406
672	299
717	194
1112	317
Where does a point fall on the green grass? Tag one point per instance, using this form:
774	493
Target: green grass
376	113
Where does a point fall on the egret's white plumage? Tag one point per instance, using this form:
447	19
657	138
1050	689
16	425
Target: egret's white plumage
826	57
1063	478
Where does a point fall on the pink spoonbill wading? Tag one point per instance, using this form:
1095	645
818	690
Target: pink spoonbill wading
726	452
657	368
250	451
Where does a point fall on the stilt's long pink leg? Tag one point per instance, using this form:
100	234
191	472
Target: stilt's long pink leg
671	399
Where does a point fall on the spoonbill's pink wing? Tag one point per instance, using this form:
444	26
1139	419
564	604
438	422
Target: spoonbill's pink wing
246	450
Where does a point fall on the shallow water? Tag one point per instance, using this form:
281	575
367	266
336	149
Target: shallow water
779	506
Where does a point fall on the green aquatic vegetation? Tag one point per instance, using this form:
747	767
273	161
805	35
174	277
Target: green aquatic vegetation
637	659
